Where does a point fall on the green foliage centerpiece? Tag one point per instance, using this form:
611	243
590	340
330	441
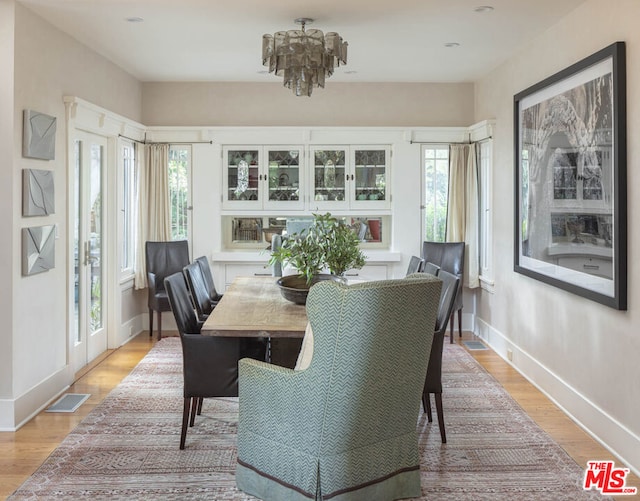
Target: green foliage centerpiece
327	244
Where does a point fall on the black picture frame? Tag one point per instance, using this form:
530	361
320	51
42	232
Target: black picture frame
570	162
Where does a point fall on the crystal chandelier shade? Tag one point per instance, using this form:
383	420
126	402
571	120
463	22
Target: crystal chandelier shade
304	58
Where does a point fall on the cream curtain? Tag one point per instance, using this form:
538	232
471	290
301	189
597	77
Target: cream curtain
154	219
462	209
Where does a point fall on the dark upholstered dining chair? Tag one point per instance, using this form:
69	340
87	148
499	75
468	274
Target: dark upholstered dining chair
415	265
433	381
210	364
162	259
214	297
430	268
198	289
449	256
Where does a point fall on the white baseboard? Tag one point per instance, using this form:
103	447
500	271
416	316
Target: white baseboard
168	322
16	412
605	429
128	331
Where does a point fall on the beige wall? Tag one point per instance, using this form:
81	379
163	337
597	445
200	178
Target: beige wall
256	104
7	230
48	65
570	346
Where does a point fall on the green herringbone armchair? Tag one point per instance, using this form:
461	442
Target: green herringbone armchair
345	427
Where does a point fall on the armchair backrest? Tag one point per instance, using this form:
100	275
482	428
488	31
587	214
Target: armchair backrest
276	243
165	258
196	284
183	312
371	346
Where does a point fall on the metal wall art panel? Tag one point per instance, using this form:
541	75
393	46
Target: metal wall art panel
38	249
38	194
39	135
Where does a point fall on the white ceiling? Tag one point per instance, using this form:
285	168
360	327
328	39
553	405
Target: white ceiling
389	41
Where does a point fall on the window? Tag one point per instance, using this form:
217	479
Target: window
436	186
486	214
179	169
127	207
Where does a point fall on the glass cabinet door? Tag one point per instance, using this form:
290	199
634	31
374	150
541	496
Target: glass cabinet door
284	179
329	178
371	176
242	169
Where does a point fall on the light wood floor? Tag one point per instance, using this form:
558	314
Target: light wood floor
23	451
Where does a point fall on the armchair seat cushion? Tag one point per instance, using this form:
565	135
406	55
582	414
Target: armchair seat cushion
159	301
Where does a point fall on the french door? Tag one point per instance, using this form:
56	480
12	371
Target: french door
88	325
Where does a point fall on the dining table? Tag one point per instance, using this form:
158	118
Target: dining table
253	306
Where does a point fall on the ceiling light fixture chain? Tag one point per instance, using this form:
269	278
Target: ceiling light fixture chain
304	58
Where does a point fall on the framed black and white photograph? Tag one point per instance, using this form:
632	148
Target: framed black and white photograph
570	179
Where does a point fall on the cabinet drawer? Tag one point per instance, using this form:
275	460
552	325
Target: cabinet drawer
231	271
368	272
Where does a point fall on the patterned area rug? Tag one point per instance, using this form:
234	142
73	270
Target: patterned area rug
127	448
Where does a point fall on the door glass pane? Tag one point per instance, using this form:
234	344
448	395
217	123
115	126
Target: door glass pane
370	175
242	174
95	237
284	175
77	251
329	175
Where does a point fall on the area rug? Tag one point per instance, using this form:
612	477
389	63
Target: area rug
127	447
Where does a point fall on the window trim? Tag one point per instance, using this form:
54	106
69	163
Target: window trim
127	202
485	200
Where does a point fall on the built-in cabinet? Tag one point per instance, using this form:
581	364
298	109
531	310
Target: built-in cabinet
352	177
295	178
262	177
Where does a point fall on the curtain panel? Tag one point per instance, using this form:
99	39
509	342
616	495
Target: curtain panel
462	209
154	218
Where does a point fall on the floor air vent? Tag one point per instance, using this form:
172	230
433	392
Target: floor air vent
69	402
475	345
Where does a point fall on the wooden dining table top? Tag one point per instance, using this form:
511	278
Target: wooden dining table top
254	307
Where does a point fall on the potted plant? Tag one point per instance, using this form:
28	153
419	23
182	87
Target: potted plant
340	243
328	244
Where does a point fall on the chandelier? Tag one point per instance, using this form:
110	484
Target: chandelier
304	58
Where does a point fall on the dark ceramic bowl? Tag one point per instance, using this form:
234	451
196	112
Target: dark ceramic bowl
294	288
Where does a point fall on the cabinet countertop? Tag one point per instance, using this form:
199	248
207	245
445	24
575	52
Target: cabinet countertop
261	256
